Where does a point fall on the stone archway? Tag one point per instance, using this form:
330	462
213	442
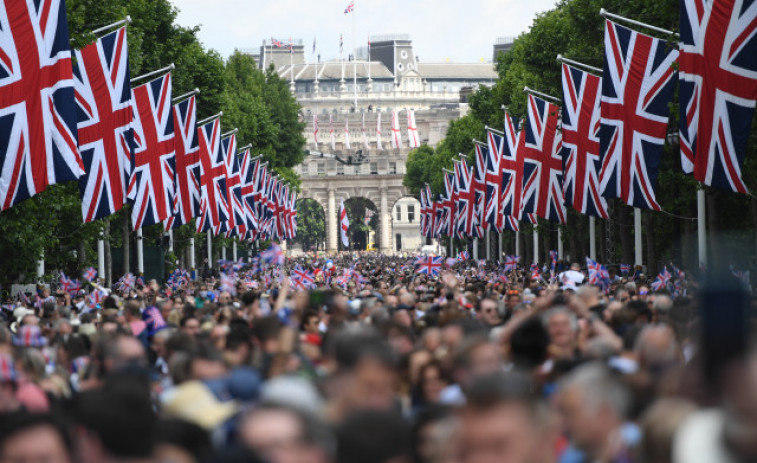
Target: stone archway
381	190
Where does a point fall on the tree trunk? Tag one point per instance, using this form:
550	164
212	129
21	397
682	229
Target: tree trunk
81	255
650	235
126	244
108	277
625	225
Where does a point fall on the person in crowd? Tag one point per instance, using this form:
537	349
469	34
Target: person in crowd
376	362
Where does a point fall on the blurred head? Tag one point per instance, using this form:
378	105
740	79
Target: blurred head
284	435
190	325
373	436
504	422
592	404
562	327
488	312
28	437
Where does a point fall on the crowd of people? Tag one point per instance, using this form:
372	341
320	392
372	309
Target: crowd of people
373	362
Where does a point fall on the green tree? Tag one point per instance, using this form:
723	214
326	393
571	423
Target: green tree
311	224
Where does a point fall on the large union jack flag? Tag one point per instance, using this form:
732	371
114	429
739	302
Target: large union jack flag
38	145
580	141
466	200
511	175
718	88
637	87
213	203
540	145
187	180
250	171
151	186
479	190
236	217
104	114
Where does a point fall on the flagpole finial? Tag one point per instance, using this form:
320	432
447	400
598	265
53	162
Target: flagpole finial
128	19
559	57
602	12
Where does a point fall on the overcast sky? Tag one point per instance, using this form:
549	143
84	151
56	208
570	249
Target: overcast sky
458	30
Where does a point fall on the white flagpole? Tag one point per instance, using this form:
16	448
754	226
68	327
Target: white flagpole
101	257
41	265
191	254
168	68
475	248
223	253
701	229
140	253
234	250
637	236
592	237
606	14
536	246
170	240
488	244
560	247
354	57
210	250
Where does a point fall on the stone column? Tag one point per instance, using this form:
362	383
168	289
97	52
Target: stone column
385	223
331	221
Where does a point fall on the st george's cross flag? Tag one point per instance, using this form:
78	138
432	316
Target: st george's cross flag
347	134
344	225
637	86
151	185
580	141
315	130
186	203
541	145
104	115
213	203
718	88
38	140
412	130
396	134
365	135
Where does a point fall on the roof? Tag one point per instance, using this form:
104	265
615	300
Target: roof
332	70
457	71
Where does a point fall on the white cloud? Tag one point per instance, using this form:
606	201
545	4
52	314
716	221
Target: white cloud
463	31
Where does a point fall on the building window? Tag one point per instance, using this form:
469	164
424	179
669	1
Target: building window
411	213
392	167
398	213
374	168
339	168
321	168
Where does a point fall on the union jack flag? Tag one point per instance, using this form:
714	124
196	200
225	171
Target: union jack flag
535	274
153	319
187	180
151	186
302	279
236	219
540	145
450	202
38	144
598	274
636	89
350	8
213	203
227	283
718	88
90	274
463	255
661	282
553	259
250	171
466	203
429	265
504	177
580	141
511	263
625	269
479	188
103	102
